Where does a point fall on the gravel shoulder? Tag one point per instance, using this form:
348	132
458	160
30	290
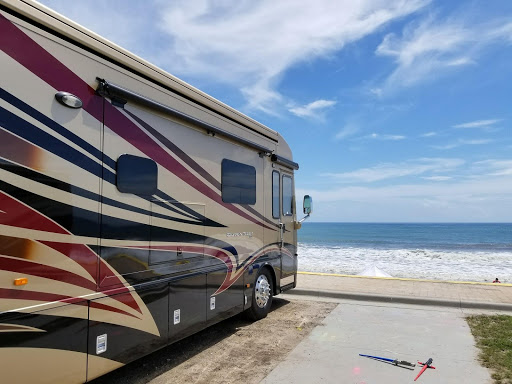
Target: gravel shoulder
233	351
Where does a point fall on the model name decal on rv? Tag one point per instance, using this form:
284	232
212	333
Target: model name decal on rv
239	234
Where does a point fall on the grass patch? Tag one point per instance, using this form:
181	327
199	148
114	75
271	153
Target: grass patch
493	335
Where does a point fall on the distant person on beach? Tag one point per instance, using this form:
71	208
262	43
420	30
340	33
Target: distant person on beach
496	281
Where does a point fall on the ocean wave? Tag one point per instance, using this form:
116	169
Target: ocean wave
456	265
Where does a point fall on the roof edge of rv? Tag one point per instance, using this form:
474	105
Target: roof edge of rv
112	90
284	161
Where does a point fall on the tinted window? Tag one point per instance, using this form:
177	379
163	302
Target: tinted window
137	175
238	183
287	196
275	195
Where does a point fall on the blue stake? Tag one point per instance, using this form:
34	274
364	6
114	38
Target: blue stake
394	361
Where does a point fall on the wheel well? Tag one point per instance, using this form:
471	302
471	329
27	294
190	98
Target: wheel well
273	274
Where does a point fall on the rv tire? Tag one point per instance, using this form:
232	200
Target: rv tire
262	293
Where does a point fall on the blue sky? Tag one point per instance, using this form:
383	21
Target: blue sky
396	110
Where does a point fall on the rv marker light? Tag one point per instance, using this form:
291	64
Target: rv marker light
20	281
69	100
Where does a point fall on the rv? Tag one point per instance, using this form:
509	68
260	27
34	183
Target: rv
135	210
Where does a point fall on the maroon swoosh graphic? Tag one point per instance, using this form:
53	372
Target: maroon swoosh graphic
35	58
17	294
88	260
79	253
45	271
19	215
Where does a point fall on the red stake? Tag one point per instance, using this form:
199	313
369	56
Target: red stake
425	366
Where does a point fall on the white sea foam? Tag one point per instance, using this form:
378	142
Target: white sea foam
481	266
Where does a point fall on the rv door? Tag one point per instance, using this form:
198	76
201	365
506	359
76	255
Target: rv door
287	232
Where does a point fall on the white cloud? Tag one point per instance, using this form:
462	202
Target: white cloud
437	178
461	142
481	192
446	146
395	170
460	61
453	191
313	109
493	167
377	136
503	31
422	50
376	91
347	131
478	123
251	44
429	134
429	49
476	141
484	198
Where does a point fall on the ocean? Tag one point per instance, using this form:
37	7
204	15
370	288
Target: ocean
455	252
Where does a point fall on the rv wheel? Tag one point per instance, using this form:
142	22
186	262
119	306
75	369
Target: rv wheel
261	296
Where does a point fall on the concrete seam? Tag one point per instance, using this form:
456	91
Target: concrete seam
401	299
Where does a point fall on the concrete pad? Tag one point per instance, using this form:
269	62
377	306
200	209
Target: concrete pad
331	352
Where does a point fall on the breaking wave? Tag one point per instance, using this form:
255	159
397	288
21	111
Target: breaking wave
454	265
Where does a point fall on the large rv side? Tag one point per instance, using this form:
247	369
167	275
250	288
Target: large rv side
135	210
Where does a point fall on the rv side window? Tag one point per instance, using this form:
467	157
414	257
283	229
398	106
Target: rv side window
287	196
276	209
137	175
238	183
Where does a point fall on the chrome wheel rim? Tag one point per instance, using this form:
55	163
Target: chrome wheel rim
262	291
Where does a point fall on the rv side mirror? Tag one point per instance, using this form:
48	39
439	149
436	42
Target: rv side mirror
308	205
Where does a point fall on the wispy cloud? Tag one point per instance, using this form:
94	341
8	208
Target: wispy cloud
475	141
424	49
396	170
493	167
437	178
429	134
347	131
251	44
478	123
480	192
460	191
314	109
462	142
378	136
502	32
480	199
430	48
446	146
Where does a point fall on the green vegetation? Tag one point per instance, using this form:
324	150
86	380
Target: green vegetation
493	335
